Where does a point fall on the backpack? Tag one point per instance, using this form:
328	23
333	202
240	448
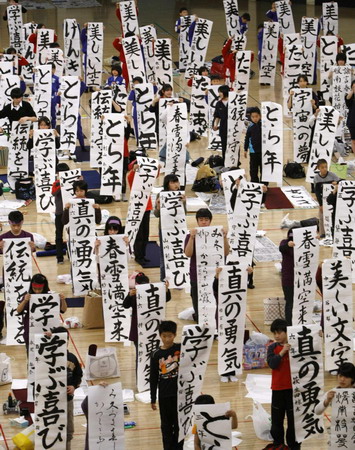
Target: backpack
25	189
215	161
206	180
294	170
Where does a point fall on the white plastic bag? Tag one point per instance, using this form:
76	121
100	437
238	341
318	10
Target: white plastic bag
103	365
261	422
40	241
259	338
5	369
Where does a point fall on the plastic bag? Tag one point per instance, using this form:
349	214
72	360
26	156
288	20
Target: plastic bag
259	338
261	422
103	365
40	241
5	369
25	440
73	322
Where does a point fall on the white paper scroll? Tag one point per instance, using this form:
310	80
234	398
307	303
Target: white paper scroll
67	179
51	391
44	169
129	17
306	255
214	139
18	154
43	91
350	54
272	142
242	70
338	312
291	39
184	46
327	211
72	48
7	83
45	37
228	182
309	35
95	49
341	86
330	17
269	53
196	346
285	17
6	66
212	425
134	58
56	56
232	303
149	35
232	17
114	285
307	377
82	245
143	182
163	62
146	119
174	231
199	46
323	139
301	112
343	404
29	55
106	415
112	154
119	95
17	278
293	67
70	99
177	138
237	103
328	52
15	24
299	197
101	104
344	228
199	106
240	42
151	300
163	105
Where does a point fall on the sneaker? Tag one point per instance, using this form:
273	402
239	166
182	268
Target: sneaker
285	222
60	262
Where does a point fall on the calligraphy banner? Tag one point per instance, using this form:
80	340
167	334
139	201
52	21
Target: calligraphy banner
82	245
309	36
307	378
212	425
51	391
44	169
232	304
7	83
330	18
29	54
228	182
101	104
149	36
43	91
184	45
56	56
214	139
323	139
199	106
269	53
199	47
112	154
174	231
327	211
294	60
242	70
129	18
299	197
114	286
328	52
134	58
342	424
301	112
176	140
291	39
70	100
95	49
151	301
67	179
196	346
231	12
163	62
285	16
341	86
272	142
15	25
163	106
237	104
72	47
349	49
146	119
306	255
239	43
17	278
45	37
17	166
119	95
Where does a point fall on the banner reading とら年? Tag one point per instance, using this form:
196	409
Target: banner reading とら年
342	424
147	138
45	37
112	154
237	103
196	346
101	104
213	426
17	165
232	17
70	99
344	227
134	58
151	300
330	18
177	137
163	62
82	245
232	303
149	36
43	90
338	312
17	278
142	186
272	142
328	52
106	416
174	232
129	18
72	46
184	46
199	45
67	179
306	255
214	139
114	286
323	139
51	391
95	48
307	378
199	106
242	70
301	112
15	25
285	17
269	53
44	169
209	244
309	36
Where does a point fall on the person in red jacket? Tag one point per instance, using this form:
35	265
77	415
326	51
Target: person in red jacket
229	60
281	385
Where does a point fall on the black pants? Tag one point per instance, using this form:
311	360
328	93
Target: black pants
169	423
288	293
142	237
194	298
255	167
223	137
281	404
59	227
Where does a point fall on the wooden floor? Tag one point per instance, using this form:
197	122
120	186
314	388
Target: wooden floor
163	14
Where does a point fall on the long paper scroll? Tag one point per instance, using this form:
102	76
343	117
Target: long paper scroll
285	17
237	103
328	52
214	139
242	70
309	35
18	153
212	425
231	12
327	212
151	300
45	37
101	104
343	404
272	142
8	81
114	284
134	58
269	53
95	48
129	18
184	46
146	119
70	99
72	47
342	78
163	62
199	46
199	107
15	24
43	91
301	113
176	140
56	57
67	179
149	35
293	66
330	17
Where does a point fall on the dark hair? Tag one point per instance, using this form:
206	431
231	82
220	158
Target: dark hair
40	25
321	161
45	120
167	326
246	16
254	109
224	90
81	184
129	34
53	66
302	77
16	93
111	224
204	399
38	278
141	278
203	212
164	88
62	167
347	370
139	79
54	45
15	216
278	325
182	9
59	330
167	179
203	69
118	68
215	76
341	57
11	51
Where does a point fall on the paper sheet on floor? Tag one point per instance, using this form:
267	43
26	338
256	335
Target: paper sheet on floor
18	383
266	250
144	397
193	204
190	174
299	197
259	387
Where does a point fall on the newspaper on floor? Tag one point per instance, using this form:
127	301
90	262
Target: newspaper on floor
266	250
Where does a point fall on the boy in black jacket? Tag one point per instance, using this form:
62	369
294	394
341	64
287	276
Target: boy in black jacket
164	370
